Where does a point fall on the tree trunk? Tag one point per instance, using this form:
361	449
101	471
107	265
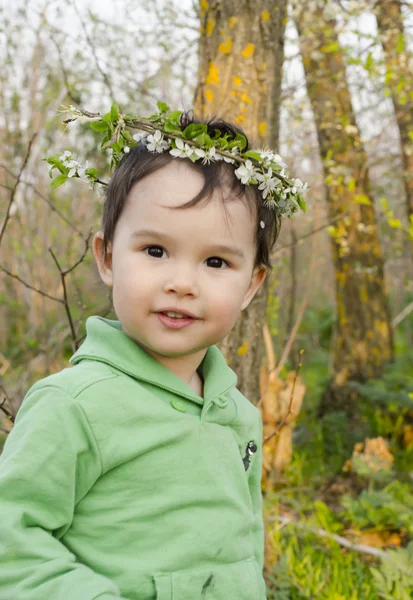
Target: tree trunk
240	66
363	337
399	78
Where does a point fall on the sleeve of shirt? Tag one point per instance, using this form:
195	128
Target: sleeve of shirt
256	496
49	462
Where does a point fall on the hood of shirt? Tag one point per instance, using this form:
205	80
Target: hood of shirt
106	342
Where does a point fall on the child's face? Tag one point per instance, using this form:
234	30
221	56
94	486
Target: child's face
164	259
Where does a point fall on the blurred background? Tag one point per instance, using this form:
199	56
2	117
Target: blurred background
325	351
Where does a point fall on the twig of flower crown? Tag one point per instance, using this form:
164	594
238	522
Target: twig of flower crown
163	132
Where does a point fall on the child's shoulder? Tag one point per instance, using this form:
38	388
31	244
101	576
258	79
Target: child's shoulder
246	409
75	380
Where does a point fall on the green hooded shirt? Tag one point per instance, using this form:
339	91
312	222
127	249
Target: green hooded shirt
119	481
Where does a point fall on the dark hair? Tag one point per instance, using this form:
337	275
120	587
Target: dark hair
140	162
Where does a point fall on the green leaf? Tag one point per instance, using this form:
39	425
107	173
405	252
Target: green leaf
114	112
203	140
162	107
194	130
175	115
99	126
302	203
57	181
240	141
253	154
93	172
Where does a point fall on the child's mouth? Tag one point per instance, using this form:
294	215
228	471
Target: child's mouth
174	320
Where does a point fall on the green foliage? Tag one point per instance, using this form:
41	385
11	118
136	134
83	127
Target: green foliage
395	578
388	509
313	567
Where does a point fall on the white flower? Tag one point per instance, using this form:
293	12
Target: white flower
81	170
246	172
65	157
183	150
210	156
298	186
139	137
262	224
270	203
156	142
268	182
126	149
75	168
268	156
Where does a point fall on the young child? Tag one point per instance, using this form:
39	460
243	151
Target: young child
136	473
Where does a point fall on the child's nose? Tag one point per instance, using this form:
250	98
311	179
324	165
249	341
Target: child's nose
182	281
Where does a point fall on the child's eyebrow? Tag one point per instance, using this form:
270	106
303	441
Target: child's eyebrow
218	248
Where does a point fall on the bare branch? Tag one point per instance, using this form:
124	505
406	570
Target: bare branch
30	287
13	191
332	536
289	412
65	299
401	316
93	50
312	232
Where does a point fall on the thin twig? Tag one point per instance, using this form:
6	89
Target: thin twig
332	536
6	411
30	287
13	191
289	412
401	316
65	299
312	232
45	199
92	47
81	259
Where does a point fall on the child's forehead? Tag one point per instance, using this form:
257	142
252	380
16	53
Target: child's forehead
164	193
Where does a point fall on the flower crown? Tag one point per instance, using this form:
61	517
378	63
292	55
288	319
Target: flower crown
164	132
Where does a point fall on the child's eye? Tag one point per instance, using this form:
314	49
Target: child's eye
154	251
216	262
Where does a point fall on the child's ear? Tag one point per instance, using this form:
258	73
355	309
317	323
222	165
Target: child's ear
104	264
257	279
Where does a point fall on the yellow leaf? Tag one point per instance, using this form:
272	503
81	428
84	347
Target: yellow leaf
225	47
351	185
395	223
248	51
237	81
265	15
204	5
233	21
242	350
362	199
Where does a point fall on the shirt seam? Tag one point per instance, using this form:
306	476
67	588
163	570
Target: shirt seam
76	402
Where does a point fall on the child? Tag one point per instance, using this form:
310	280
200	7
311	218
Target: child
136	473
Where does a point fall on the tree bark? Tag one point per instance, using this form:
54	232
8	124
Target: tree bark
240	67
363	337
399	78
